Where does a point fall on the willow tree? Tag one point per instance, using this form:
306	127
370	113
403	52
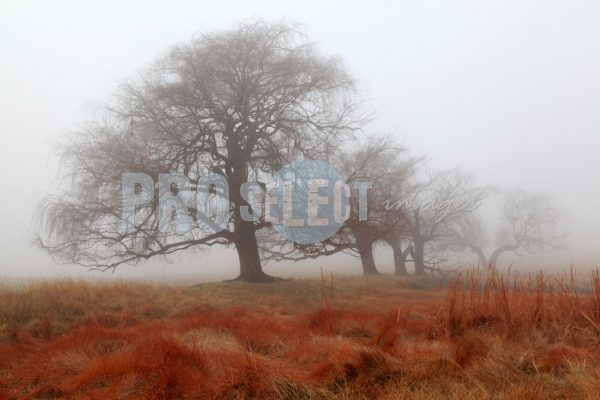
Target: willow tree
240	103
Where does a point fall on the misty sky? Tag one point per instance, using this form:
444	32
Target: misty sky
508	90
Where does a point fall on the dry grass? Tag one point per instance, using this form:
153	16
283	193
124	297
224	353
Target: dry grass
487	336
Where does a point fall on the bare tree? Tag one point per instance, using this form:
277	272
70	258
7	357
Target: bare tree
240	103
431	210
378	163
384	164
399	241
376	160
529	224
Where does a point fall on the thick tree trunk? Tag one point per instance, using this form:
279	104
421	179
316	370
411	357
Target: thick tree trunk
368	261
244	231
364	246
419	257
399	259
247	248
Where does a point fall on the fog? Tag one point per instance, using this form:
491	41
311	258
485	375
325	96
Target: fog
507	90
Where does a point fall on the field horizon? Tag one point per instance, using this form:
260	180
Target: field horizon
484	335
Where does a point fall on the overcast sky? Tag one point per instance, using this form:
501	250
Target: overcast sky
508	90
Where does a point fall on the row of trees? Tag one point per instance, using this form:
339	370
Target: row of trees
433	219
243	103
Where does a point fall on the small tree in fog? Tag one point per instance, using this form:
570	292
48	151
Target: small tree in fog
431	210
529	224
241	103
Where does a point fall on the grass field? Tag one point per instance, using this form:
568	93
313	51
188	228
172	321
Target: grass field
486	336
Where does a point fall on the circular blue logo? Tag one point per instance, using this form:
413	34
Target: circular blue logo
307	202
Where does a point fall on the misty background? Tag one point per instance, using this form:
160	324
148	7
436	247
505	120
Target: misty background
506	90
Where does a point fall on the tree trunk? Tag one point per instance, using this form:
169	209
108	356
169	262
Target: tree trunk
364	246
247	248
419	257
483	261
499	251
368	261
244	231
399	259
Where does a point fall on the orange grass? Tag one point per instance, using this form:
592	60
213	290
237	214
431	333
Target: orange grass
488	336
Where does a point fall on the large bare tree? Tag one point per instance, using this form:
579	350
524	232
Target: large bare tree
240	103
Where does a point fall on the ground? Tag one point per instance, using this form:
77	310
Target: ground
486	336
